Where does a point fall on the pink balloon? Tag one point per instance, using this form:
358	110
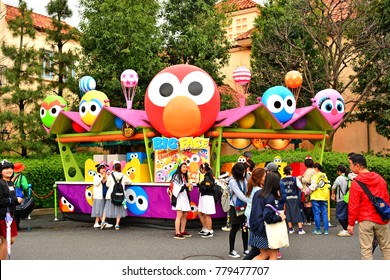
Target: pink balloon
242	75
129	78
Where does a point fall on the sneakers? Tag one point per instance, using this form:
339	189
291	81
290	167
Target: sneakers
105	225
117	227
97	225
246	252
301	231
226	228
178	236
326	232
202	231
207	235
344	233
185	234
316	231
234	254
291	231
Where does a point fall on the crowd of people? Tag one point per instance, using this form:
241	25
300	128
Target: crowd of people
254	194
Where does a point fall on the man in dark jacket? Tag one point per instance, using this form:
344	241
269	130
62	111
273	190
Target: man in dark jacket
361	209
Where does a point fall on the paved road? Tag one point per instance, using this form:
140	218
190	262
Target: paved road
42	238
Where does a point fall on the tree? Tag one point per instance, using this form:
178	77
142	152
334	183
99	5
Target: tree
376	107
322	40
119	35
61	64
21	118
194	33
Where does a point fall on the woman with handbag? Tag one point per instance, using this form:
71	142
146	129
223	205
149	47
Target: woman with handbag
8	201
238	188
261	213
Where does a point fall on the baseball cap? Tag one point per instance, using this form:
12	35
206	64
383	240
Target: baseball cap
272	166
115	162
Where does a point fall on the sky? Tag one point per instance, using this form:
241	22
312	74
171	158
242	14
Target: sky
39	7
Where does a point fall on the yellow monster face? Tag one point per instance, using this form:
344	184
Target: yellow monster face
91	104
89	195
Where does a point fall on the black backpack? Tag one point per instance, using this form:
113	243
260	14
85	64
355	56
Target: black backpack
118	194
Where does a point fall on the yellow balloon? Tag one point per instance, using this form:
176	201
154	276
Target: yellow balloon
247	121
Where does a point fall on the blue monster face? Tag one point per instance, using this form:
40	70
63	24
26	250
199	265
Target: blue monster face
137	201
280	102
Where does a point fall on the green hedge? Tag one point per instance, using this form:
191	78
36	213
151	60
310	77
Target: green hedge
43	173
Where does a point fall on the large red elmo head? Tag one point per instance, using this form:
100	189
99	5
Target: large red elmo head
182	100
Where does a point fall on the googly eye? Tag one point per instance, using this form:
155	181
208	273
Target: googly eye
289	104
198	86
55	110
340	107
275	103
163	88
142	203
95	107
131	196
91	173
70	207
83	109
326	106
194	208
195	158
88	193
42	112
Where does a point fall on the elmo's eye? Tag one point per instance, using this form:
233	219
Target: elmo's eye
163	88
198	86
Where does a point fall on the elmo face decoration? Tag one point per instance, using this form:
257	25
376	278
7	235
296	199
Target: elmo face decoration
182	100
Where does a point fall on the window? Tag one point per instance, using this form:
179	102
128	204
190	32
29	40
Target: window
3	80
47	65
69	72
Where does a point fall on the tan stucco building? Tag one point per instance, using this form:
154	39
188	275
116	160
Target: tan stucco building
356	137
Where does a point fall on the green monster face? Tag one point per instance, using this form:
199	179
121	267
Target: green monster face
51	106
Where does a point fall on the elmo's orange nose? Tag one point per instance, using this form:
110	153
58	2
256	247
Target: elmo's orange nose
181	117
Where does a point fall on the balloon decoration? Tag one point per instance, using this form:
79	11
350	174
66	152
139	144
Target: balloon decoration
238	143
51	107
86	84
293	81
280	102
242	77
91	104
118	122
247	121
331	104
129	81
259	143
278	144
78	128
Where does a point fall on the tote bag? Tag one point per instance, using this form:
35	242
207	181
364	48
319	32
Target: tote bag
277	234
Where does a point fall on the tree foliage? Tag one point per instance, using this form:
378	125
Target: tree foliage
20	123
119	35
323	40
62	63
194	33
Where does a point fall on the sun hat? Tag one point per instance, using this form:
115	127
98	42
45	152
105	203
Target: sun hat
19	167
248	154
272	166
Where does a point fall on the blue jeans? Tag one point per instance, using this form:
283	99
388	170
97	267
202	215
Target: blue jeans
320	207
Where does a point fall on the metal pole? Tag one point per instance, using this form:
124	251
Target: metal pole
55	203
29	194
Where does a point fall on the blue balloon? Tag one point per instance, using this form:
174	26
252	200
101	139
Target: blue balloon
118	122
280	102
86	84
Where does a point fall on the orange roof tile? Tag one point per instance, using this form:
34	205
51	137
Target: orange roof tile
40	22
245	35
238	4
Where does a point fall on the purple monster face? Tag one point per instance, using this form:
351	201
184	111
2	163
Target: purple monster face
331	104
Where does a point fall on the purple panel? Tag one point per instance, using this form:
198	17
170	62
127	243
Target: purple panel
146	201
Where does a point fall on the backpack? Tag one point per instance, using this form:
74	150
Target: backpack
118	194
172	198
323	182
346	194
218	191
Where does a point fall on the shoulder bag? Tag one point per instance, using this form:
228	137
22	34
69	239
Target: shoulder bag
277	234
381	207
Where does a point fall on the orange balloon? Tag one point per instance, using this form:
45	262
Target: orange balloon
293	79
